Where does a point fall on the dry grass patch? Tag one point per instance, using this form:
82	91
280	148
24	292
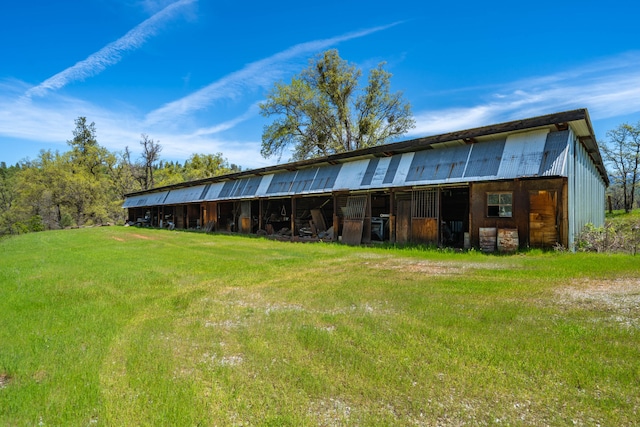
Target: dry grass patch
619	297
433	268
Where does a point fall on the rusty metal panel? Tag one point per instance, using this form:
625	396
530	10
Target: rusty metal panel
522	154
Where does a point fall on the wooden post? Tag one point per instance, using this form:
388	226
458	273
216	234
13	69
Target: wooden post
293	217
336	220
392	217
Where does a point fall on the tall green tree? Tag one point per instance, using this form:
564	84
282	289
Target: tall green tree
324	111
200	166
622	153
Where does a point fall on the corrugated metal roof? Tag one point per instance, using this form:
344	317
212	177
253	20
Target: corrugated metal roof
522	154
149	199
525	154
185	195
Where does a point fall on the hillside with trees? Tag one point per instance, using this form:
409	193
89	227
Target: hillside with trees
86	184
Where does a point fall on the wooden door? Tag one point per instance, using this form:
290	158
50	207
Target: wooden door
403	221
354	220
424	216
543	218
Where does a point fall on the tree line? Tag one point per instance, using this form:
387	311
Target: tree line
86	184
621	153
322	111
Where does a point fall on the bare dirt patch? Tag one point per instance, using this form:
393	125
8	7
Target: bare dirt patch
140	236
5	379
432	268
619	297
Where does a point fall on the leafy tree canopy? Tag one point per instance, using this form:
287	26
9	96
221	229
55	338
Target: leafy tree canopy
323	111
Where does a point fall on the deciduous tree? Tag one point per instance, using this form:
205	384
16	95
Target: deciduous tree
622	153
150	155
323	110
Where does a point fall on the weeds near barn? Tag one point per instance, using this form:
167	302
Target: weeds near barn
117	326
619	234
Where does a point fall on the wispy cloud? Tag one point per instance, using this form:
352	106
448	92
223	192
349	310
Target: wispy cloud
608	88
112	53
261	73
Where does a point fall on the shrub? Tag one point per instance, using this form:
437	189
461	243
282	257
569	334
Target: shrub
614	236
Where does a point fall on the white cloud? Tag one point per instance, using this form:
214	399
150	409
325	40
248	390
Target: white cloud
110	54
608	88
262	73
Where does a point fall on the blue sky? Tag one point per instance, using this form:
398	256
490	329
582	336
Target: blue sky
190	73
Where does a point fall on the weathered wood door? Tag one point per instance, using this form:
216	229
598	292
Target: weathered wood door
424	216
354	220
543	218
403	221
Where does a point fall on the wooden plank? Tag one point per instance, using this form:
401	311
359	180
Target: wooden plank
403	221
318	219
542	218
352	231
354	214
424	230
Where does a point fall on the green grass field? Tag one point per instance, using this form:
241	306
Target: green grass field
120	326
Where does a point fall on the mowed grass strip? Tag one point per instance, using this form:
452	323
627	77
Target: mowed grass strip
124	326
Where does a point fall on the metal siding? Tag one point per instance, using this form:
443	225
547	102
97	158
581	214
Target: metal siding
304	179
239	187
438	165
392	169
281	183
227	189
252	186
484	159
381	172
522	154
586	191
326	177
370	172
214	191
184	195
555	154
400	178
349	174
265	182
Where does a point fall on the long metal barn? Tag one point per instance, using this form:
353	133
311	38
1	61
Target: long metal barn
534	182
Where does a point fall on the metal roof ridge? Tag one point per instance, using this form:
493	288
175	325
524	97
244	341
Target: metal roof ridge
421	143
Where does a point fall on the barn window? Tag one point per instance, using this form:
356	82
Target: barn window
424	204
499	205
